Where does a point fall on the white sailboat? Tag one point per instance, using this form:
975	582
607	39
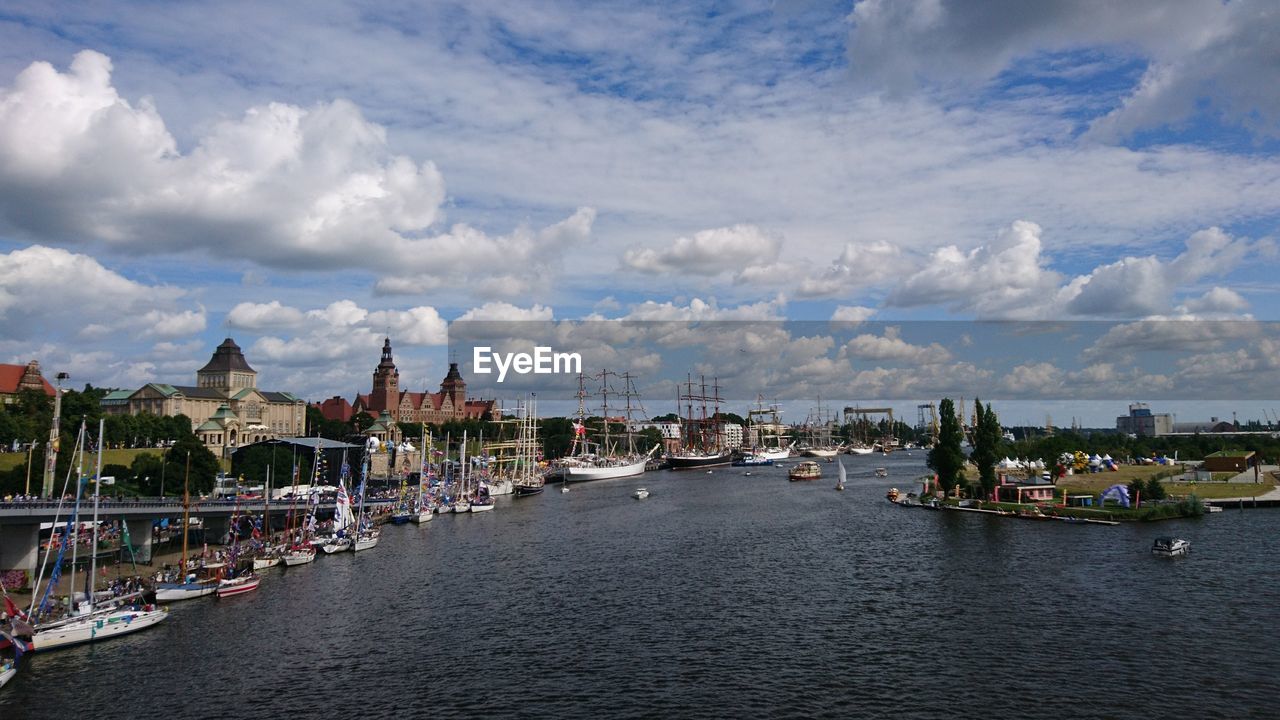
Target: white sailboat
840	482
770	439
343	520
89	623
421	511
589	460
367	535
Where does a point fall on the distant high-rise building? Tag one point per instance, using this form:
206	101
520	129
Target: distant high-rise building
1142	422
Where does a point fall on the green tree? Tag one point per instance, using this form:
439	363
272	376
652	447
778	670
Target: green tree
204	464
986	444
1154	490
647	438
946	458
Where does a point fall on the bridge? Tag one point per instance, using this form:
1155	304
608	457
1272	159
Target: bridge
20	521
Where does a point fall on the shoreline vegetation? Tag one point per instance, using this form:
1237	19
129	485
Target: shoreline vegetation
1184	499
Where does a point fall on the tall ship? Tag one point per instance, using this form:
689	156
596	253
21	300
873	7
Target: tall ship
770	436
609	456
701	434
516	459
818	442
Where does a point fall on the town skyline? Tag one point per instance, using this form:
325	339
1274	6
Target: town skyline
312	182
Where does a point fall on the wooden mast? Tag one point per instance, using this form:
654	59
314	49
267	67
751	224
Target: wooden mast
186	514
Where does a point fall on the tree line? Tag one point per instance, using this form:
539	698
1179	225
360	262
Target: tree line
26	422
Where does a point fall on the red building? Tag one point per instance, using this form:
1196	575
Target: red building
450	403
16	378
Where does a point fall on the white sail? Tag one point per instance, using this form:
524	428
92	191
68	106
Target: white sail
842	473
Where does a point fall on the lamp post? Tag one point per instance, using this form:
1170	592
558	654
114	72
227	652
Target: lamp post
51	457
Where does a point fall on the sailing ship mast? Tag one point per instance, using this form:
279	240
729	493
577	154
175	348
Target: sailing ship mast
97	487
186	514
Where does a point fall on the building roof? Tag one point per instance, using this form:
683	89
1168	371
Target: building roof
1230	454
280	397
11	379
453	374
227	357
196	392
118	395
335	408
307	442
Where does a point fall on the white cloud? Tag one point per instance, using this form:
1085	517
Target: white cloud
892	348
1135	287
284	186
709	252
859	266
1217	301
1005	278
48	291
501	311
851	314
1009	279
261	316
1206	52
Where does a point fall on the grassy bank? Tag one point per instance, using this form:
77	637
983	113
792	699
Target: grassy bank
9	461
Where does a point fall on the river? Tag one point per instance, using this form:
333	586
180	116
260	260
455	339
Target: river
721	595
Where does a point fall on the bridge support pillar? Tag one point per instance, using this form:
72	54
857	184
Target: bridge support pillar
215	528
19	551
140	537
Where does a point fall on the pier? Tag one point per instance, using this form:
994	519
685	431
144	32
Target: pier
20	522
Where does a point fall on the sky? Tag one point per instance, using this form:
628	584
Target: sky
309	178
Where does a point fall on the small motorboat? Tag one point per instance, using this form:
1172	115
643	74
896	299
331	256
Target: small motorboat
892	495
8	669
1170	547
640	494
882	472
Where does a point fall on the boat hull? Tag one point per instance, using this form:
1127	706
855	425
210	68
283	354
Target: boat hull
822	452
93	629
336	546
423	517
264	563
588	472
172	592
685	462
482	507
292	559
401	519
527	490
7	674
238	586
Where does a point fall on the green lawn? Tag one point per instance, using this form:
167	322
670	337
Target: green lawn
8	461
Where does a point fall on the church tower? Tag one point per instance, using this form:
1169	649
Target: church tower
455	388
386	383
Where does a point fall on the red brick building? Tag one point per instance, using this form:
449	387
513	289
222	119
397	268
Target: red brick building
450	403
16	378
